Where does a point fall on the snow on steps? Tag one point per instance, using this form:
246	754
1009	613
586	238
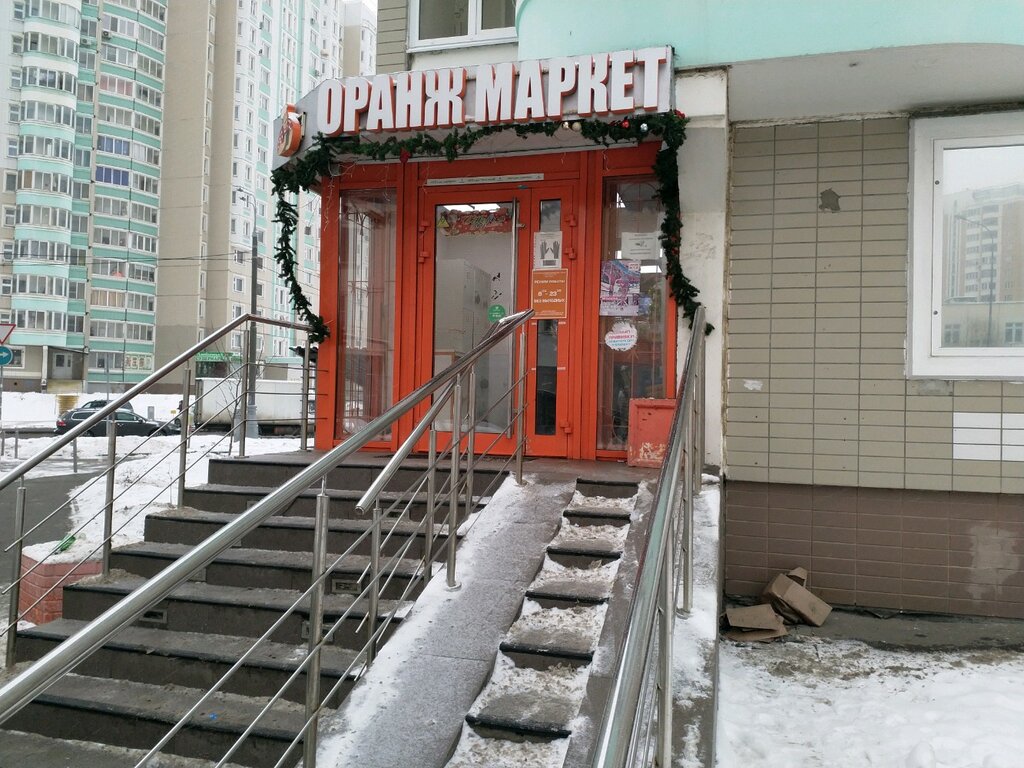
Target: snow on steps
525	713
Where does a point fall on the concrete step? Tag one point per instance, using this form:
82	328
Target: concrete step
293	534
18	748
542	636
355	473
194	660
136	715
239	498
609	489
273	569
240	611
597	515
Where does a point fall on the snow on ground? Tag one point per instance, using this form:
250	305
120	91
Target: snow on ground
811	702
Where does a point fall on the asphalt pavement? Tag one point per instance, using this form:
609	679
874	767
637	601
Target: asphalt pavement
43	495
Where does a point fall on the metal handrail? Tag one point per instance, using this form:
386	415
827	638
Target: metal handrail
655	588
31	463
41	674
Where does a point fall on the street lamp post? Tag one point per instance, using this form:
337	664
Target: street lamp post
251	425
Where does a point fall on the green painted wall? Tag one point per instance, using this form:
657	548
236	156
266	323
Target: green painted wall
708	32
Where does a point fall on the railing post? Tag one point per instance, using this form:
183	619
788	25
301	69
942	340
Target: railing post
15	593
304	417
183	423
316	625
453	495
74	455
686	567
17	439
470	440
428	524
521	416
667	613
108	505
242	406
374	585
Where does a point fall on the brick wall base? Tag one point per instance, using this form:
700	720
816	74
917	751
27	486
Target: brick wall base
930	551
43	578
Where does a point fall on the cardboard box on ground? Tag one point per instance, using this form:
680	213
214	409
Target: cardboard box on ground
784	600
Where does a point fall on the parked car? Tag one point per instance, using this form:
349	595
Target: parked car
95	404
127	422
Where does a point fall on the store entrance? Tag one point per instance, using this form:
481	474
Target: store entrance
490	251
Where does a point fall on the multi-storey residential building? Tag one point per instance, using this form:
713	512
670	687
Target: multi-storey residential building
233	67
360	41
82	95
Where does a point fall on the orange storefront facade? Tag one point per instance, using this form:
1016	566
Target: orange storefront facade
420	255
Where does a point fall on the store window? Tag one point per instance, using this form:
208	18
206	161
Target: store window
438	23
967	298
367	309
632	341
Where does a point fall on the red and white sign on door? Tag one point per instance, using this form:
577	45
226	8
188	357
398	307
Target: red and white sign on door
6	329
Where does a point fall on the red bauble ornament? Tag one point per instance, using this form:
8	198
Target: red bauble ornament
404	155
625	123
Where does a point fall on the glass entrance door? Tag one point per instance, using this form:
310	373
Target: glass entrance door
494	252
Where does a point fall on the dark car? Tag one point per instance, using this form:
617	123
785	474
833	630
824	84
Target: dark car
128	423
96	404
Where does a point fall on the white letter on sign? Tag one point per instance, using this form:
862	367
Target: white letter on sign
381	114
593	88
409	100
561	82
494	92
328	107
443	106
620	82
530	93
651	58
357	97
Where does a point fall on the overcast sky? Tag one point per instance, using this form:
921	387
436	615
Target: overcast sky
980	167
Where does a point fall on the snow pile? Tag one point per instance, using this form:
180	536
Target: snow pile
474	750
846	705
561	681
605	502
583	621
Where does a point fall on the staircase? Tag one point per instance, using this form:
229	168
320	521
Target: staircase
130	692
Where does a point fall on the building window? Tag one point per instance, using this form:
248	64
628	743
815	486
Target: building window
968	247
238	284
440	23
1013	334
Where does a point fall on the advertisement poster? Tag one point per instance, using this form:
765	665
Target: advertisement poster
547	250
454	223
620	288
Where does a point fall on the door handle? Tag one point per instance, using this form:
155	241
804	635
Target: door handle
566	426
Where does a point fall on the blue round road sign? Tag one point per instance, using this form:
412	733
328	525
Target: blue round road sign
6	355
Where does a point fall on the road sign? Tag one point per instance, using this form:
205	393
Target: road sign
6	356
6	329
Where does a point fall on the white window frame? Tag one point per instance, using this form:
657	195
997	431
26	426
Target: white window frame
926	358
474	37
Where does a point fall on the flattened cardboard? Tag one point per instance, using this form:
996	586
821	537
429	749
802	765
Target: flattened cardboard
810	608
755	635
753	617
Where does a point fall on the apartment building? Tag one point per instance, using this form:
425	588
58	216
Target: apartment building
360	46
82	90
234	66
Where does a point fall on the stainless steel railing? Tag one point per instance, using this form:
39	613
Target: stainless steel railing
104	419
386	552
639	709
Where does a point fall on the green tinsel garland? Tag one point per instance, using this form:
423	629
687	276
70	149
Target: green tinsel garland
315	164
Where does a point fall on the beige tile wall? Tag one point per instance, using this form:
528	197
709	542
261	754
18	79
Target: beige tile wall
392	35
817	322
835	460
